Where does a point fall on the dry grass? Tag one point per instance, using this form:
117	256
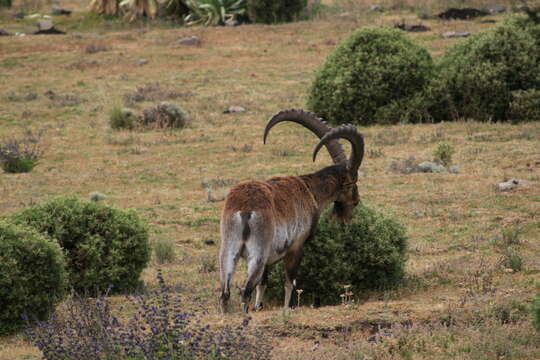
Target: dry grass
452	219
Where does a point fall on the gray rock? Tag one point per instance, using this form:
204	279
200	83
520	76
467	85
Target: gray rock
234	109
97	196
57	10
431	167
376	7
494	8
231	22
44	25
142	61
455	34
454	170
188	40
209	242
512	184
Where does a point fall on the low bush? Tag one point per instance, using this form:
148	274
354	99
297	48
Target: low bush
159	329
164	251
483	76
122	118
104	245
374	76
164	116
32	275
274	11
368	254
21	154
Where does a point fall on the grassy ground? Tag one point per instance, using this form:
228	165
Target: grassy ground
456	222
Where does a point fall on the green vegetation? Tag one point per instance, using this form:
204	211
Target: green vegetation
443	153
32	275
367	254
372	77
535	312
104	245
274	11
484	75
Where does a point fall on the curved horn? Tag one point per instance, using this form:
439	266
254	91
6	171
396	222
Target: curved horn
350	133
313	123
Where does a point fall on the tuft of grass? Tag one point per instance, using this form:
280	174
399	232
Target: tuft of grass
164	251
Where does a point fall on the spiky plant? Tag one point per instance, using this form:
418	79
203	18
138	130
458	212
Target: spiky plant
213	12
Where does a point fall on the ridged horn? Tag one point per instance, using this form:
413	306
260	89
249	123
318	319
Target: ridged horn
350	133
312	122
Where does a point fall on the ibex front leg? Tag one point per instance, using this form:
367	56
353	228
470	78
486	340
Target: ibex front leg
291	263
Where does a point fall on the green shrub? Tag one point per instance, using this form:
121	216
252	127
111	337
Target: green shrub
122	118
32	275
274	11
104	245
482	74
368	253
525	105
373	76
443	153
535	312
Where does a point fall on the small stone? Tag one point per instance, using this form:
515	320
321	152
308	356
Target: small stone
454	34
209	242
97	196
18	14
418	213
234	109
511	184
329	42
44	25
454	169
431	167
231	22
188	40
378	8
4	33
495	8
142	62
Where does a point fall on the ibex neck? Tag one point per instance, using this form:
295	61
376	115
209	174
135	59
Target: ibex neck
325	184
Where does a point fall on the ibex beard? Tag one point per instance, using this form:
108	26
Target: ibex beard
266	221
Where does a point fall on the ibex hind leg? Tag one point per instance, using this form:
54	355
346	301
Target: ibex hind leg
260	291
255	271
229	255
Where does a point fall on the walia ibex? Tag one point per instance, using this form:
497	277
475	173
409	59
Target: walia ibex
265	221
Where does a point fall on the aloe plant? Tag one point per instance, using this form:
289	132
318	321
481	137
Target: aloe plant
213	12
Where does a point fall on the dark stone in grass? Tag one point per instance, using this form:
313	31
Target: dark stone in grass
412	28
57	10
4	33
209	242
462	14
234	109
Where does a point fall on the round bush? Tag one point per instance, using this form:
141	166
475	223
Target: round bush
368	253
370	77
274	11
484	74
104	245
32	275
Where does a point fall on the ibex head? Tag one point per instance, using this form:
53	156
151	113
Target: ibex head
347	196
